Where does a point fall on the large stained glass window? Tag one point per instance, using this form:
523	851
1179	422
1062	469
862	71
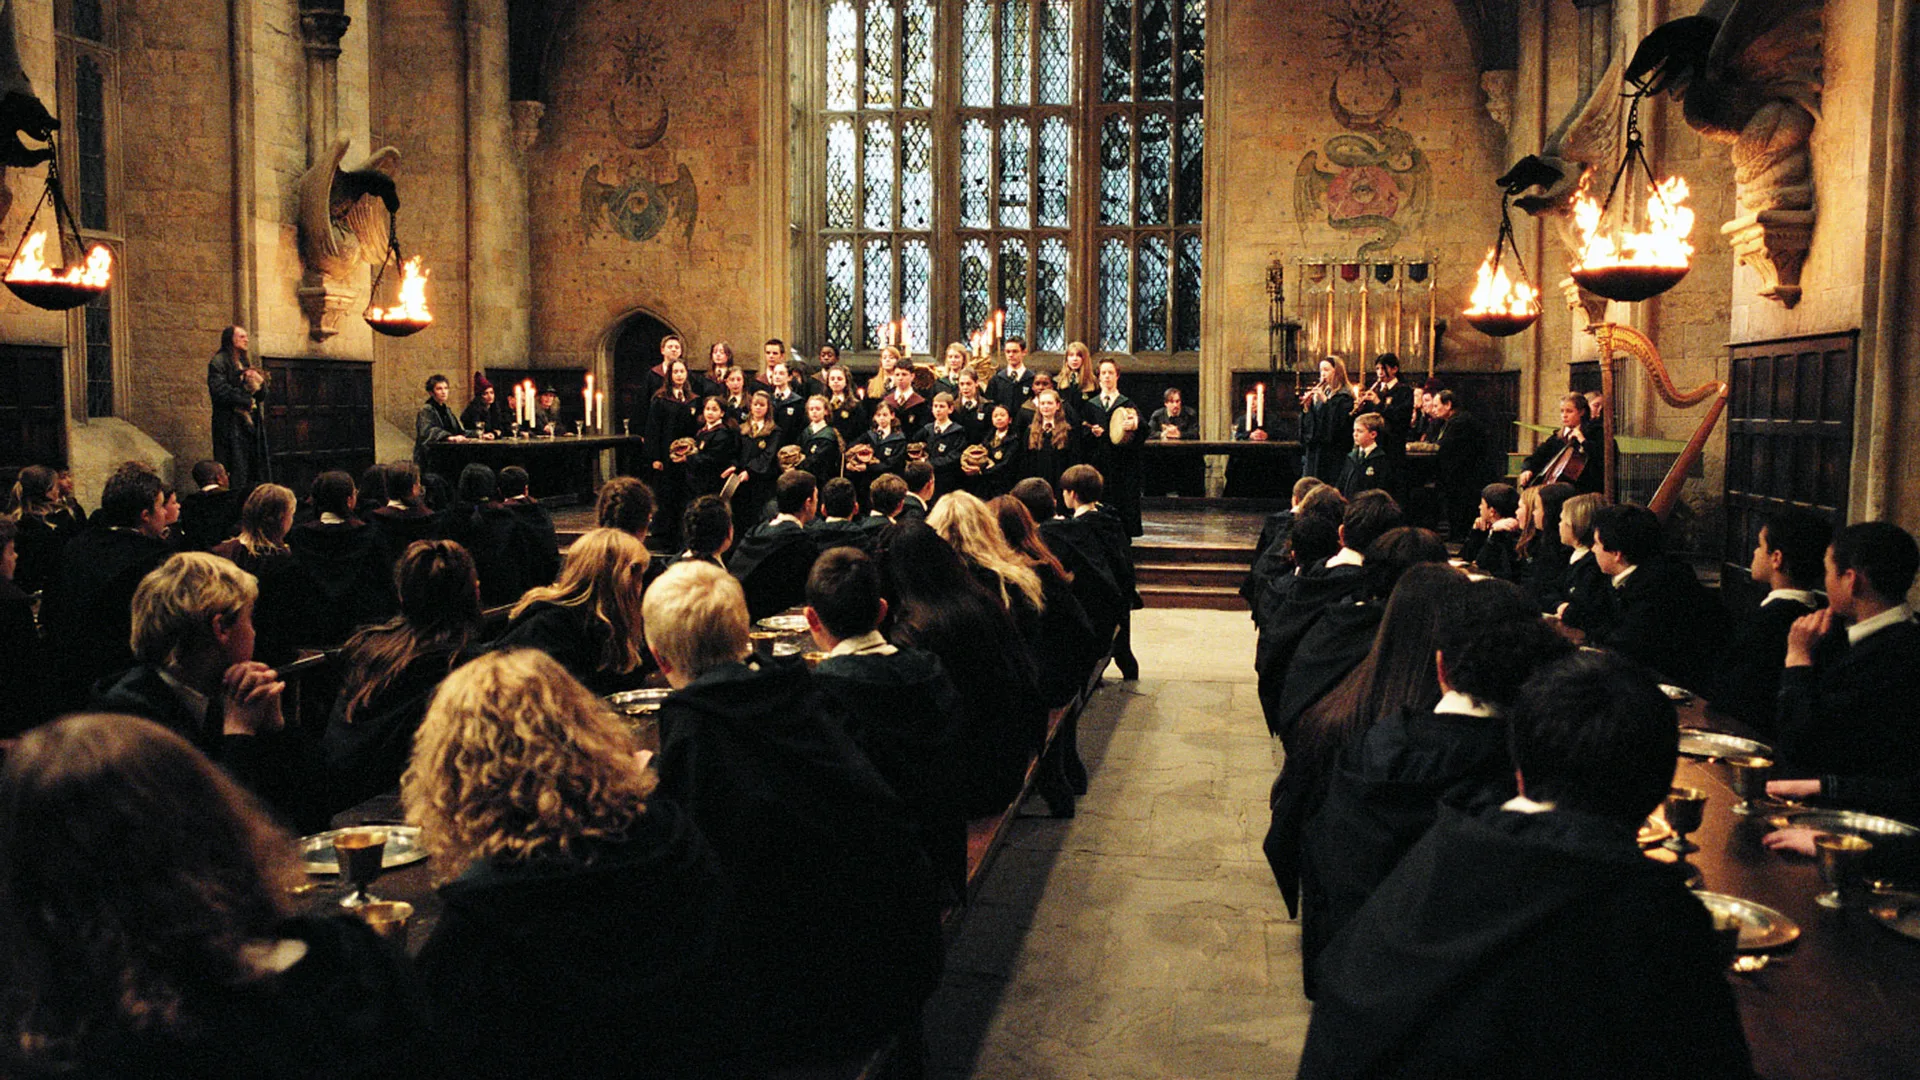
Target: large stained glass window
941	200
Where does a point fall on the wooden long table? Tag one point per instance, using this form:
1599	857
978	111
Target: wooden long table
1841	1003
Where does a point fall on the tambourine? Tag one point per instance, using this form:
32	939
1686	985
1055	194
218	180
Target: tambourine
916	451
1123	425
679	450
790	456
974	458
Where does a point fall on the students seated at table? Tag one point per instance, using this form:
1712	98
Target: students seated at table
1789	564
192	637
706	531
175	950
835	525
1368	465
1295	603
1277	560
837	904
898	705
1099	532
1852	671
1091	572
1662	616
587	930
23	702
1586	601
511	554
346	580
45	527
85	610
938	605
1397	672
771	561
261	550
1490	543
1543	551
589	619
392	670
402	516
210	513
1392	779
1536	940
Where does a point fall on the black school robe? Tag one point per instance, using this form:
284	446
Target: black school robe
716	449
1002	470
1326	435
1515	946
759	459
1746	677
832	534
366	757
772	562
346	581
207	518
1666	620
576	639
838	907
87	611
1010	390
823	453
399	528
1119	465
1289	609
614	959
1046	457
1365	472
1852	713
1594	434
943	454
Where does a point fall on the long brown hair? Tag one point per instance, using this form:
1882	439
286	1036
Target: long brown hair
36	491
102	939
603	573
439	613
1016	523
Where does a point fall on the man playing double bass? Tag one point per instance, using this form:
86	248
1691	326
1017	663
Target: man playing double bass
1571	454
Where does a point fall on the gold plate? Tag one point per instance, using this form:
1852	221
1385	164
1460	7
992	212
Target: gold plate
1897	911
1761	927
403	848
784	624
1701	743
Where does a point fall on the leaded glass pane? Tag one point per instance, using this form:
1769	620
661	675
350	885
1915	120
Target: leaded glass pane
976	54
1156	147
1186	294
1192	147
1050	296
916	276
840	294
1051	172
1013	285
840	172
879	54
100	355
1116	50
1150	296
976	281
878	197
1056	56
90	22
1193	50
916	175
1116	154
1156	51
916	56
1113	295
1016	140
90	130
843	58
976	175
878	301
1015	49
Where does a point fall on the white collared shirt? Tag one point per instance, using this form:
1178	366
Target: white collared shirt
195	701
1578	554
1866	628
1806	598
1346	556
396	504
1086	509
1520	804
1620	578
1459	704
330	518
871	643
778	518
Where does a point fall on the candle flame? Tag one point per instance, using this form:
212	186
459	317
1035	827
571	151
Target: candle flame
1496	294
412	306
1664	244
31	266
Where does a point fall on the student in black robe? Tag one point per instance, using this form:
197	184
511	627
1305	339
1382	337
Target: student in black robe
945	441
1004	464
760	442
1536	940
1118	462
887	441
1585	602
787	404
888	495
896	704
1848	689
176	950
1544	554
911	412
1789	563
1326	423
1585	434
23	701
45	527
1082	555
588	929
954	362
512	554
1097	529
1663	617
1393	400
706	532
771	561
404	516
1271	559
196	675
345	578
733	396
211	512
716	450
822	452
971	409
837	904
86	610
589	619
1012	385
517	496
845	410
1076	379
1490	545
1369	467
834	525
673	414
1392	780
1052	446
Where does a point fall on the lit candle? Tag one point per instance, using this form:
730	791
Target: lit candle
599	409
1249	412
1260	401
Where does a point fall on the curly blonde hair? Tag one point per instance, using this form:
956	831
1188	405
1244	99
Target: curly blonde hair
516	759
605	571
963	521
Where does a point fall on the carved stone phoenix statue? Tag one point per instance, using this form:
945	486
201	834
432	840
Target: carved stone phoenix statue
346	216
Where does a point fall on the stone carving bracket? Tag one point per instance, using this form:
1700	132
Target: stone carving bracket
1773	243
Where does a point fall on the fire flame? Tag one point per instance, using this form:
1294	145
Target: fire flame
31	266
1663	245
1496	294
412	307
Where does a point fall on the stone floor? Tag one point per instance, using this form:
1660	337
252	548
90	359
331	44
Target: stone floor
1144	937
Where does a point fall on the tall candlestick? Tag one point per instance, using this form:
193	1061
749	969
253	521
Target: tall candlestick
1260	401
1249	412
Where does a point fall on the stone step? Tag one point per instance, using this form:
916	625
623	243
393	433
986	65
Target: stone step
1210	597
1189	552
1190	574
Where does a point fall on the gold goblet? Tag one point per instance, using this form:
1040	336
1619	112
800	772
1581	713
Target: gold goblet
1685	809
1841	858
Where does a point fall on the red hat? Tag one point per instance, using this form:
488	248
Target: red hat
480	384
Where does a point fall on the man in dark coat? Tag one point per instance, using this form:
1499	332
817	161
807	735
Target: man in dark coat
1789	563
1460	462
837	901
772	560
1852	671
237	388
1535	939
435	422
86	610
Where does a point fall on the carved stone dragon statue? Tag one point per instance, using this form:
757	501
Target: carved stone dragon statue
345	219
